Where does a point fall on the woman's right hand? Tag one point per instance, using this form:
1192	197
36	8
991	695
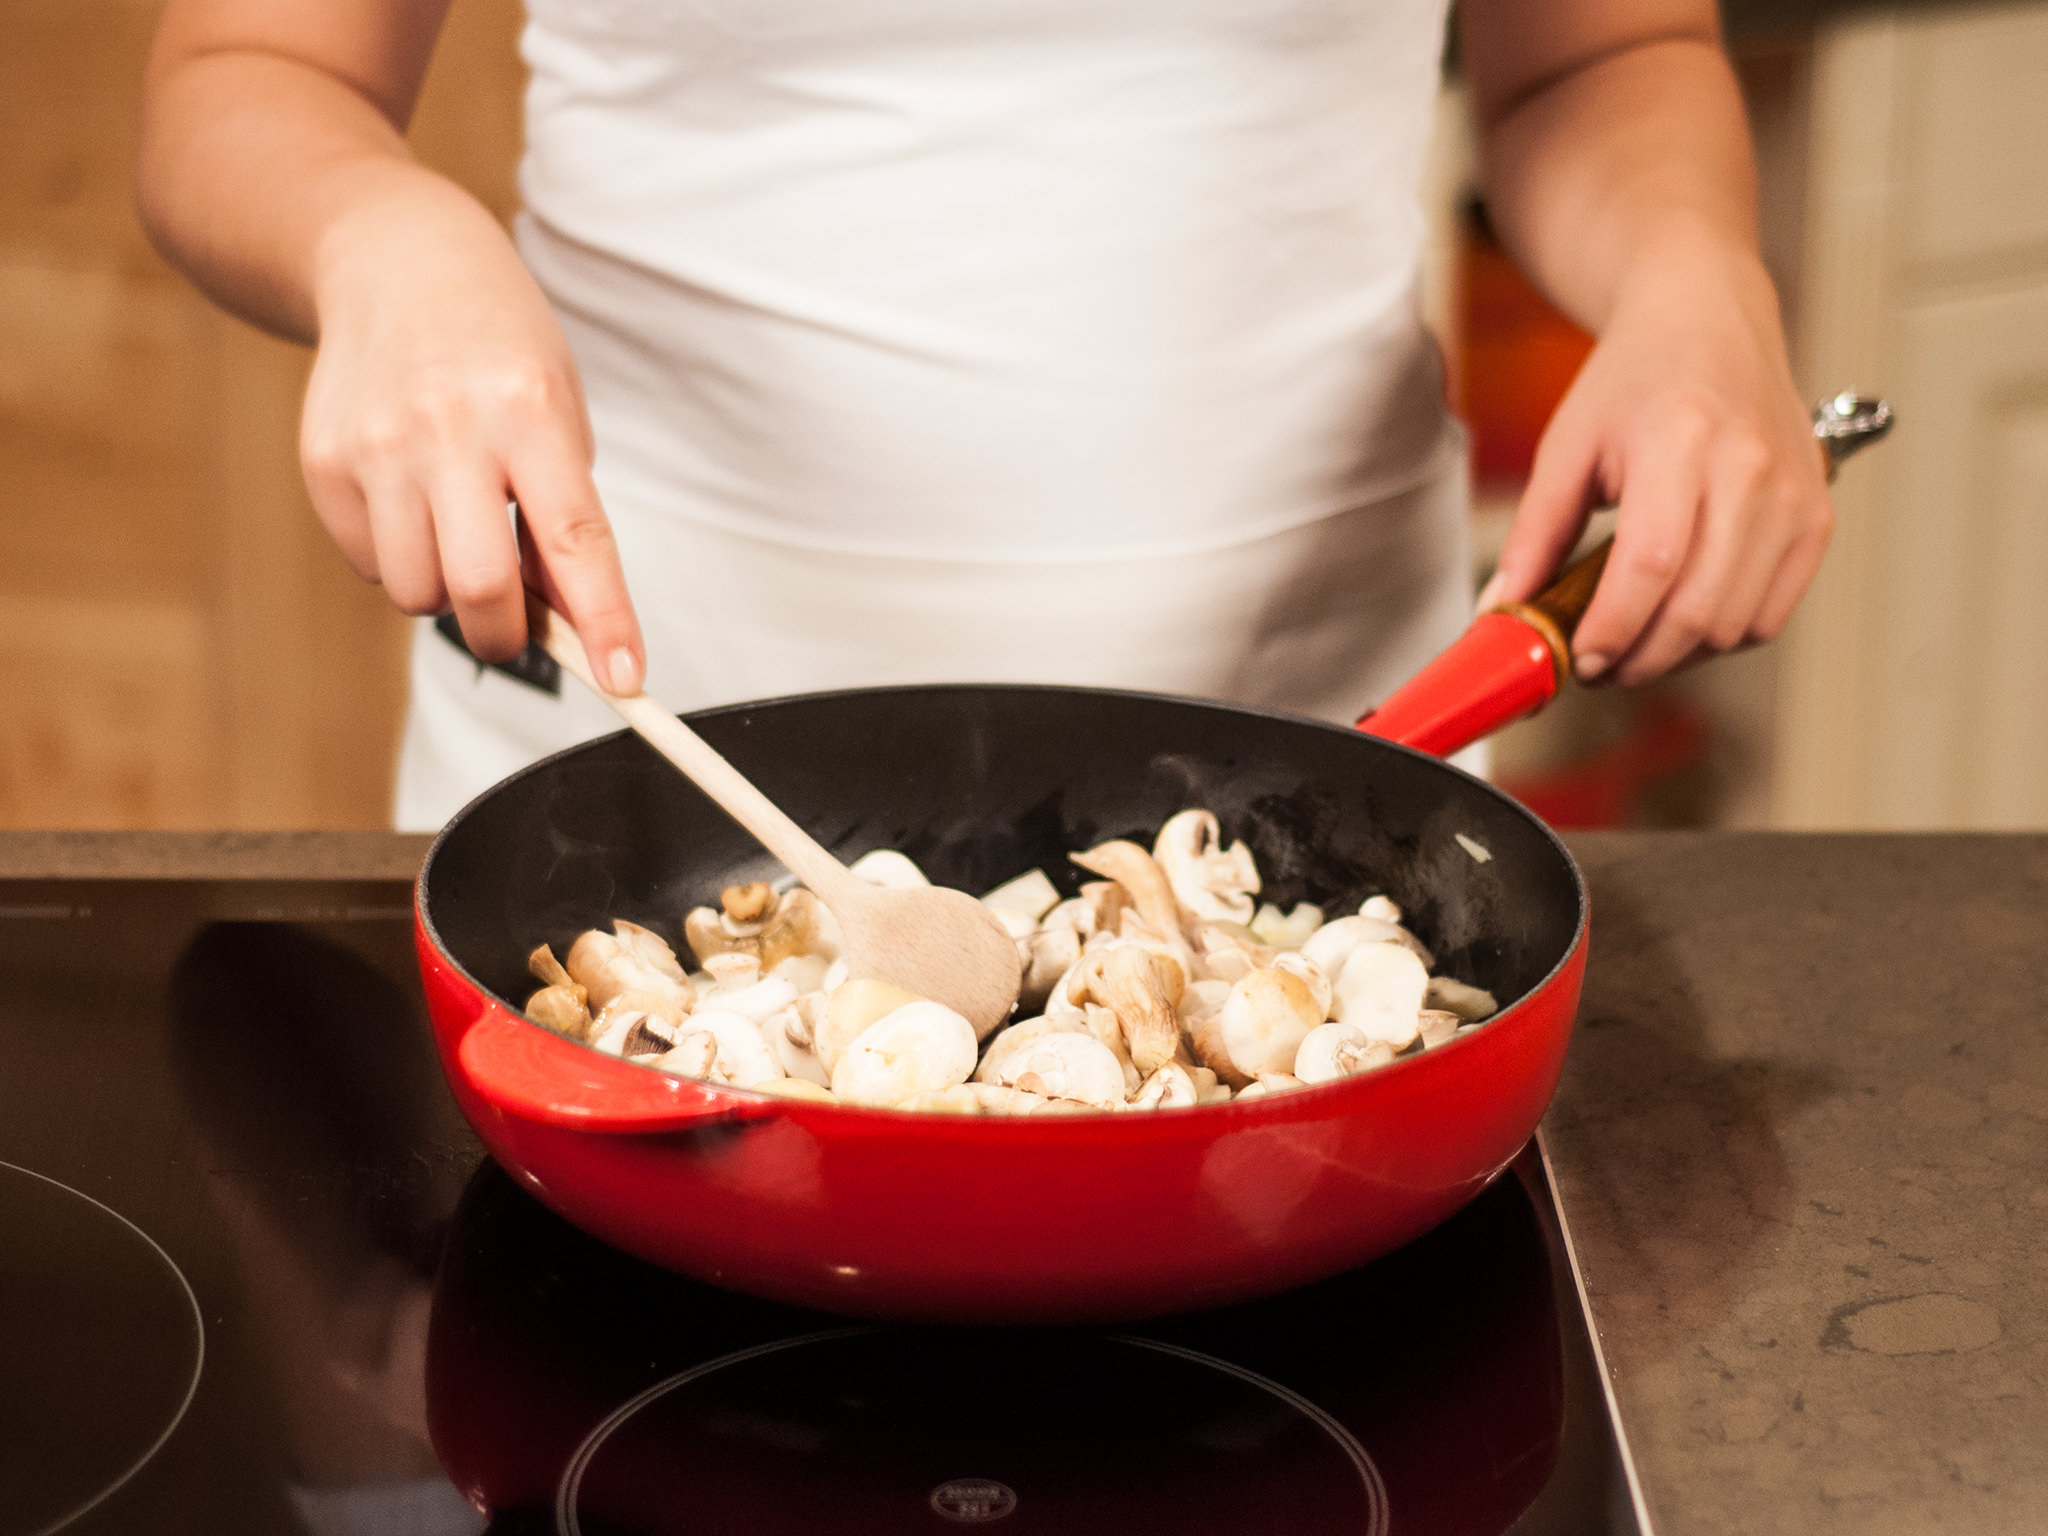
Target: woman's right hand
443	390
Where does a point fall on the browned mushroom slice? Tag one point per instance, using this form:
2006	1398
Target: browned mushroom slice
563	1009
1138	873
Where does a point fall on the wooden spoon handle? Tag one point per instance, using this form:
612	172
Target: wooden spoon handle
710	772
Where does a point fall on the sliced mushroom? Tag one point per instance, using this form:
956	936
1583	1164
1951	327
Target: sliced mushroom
1104	1026
1030	896
733	971
1286	931
1201	1000
804	972
1469	1003
1279	1082
1226	951
851	1008
1140	875
1210	882
774	929
1310	975
1138	986
789	1037
758	1002
1005	1043
1380	990
1329	946
1077	913
798	927
1168	1088
1436	1026
744	1056
562	1009
629	957
910	1050
630	1033
1048	954
1331	1051
1067	1066
547	970
890	869
695	1055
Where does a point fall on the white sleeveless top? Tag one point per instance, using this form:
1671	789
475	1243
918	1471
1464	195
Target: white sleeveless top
1005	305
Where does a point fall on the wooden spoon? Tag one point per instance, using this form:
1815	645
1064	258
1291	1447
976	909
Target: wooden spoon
939	943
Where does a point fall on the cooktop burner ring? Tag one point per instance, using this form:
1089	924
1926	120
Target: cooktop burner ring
975	1500
105	1484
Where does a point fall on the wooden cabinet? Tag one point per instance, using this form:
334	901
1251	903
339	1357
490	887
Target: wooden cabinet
1913	689
179	645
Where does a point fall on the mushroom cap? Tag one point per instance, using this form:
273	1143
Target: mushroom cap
851	1008
913	1049
1006	1042
1059	1065
1264	1019
1331	1051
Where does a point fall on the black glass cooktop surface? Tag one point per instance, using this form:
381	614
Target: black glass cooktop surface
256	1275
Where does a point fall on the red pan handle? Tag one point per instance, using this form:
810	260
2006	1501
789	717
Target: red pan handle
1513	660
530	1072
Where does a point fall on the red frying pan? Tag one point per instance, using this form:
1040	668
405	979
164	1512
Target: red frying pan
943	1217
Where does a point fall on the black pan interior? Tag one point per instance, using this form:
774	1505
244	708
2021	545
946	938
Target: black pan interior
980	783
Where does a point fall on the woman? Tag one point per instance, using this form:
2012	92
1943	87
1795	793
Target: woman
1061	340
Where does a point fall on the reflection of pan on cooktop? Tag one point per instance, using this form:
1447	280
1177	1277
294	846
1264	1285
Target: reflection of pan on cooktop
572	1388
100	1350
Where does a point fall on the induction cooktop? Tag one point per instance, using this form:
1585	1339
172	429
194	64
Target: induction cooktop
256	1275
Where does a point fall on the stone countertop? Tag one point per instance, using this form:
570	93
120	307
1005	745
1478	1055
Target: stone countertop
1802	1143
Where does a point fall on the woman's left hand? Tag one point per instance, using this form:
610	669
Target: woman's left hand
1685	418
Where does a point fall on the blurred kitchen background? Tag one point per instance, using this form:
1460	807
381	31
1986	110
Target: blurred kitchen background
180	647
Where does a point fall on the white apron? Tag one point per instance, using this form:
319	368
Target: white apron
987	340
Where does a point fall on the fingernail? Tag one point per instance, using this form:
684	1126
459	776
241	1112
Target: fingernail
622	673
1590	665
1489	595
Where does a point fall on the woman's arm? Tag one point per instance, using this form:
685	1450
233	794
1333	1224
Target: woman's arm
273	169
1618	169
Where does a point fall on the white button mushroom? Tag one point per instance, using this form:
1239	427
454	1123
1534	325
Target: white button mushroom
1066	1066
1261	1025
1005	1043
744	1057
1380	990
914	1049
695	1055
1331	1051
851	1008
